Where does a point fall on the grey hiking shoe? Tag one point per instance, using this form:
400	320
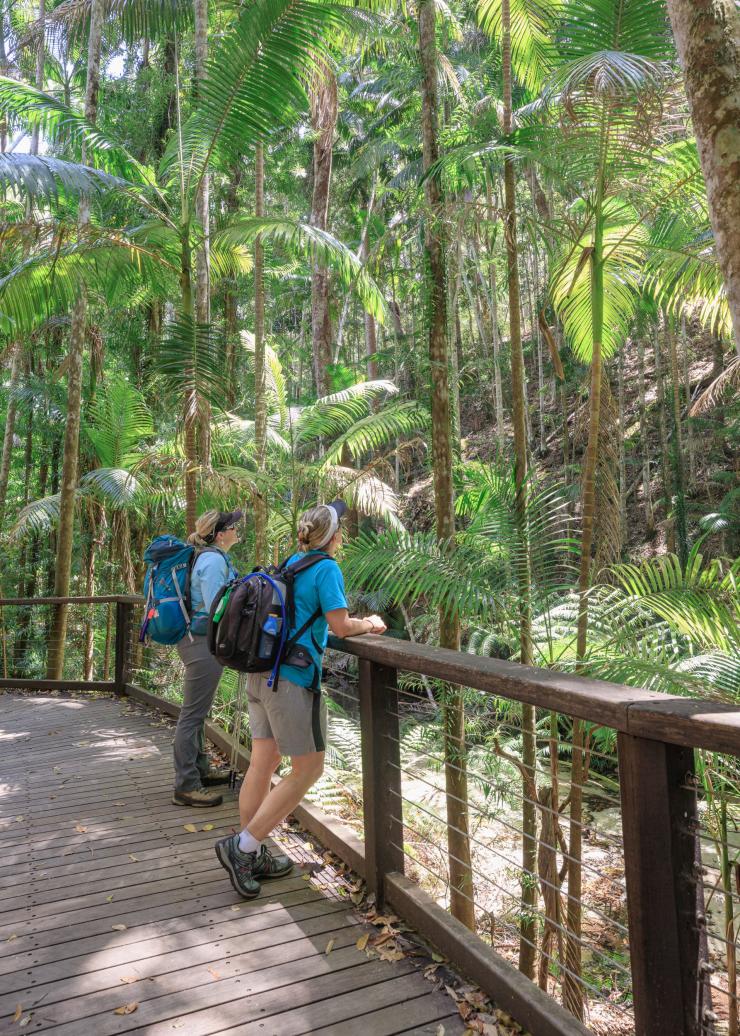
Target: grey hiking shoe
197	797
239	866
268	866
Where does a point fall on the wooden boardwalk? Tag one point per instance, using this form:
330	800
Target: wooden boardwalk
107	901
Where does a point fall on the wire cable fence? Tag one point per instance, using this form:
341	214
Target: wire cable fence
610	873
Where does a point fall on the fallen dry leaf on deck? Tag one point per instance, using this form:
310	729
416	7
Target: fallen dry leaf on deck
118	927
382	920
19	819
191	828
80	829
11	937
440	1031
362	941
109	899
118	803
134	859
128	979
215	974
18	1012
307	877
235	908
329	946
356	898
390	954
207	827
127	1008
25	1020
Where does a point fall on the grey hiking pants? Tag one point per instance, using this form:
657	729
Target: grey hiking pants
202	674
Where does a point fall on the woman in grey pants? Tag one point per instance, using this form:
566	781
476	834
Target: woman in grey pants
215	534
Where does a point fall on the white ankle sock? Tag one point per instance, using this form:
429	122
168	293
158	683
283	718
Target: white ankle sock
248	843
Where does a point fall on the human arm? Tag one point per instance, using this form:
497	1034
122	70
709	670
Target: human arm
343	625
333	601
213	573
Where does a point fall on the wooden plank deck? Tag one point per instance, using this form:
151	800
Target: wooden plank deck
106	901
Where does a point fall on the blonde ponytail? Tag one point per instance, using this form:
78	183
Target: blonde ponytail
205	526
314	526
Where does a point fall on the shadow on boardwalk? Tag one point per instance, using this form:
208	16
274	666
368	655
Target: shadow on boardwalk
115	918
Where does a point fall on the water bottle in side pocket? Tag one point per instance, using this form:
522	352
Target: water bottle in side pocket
270	633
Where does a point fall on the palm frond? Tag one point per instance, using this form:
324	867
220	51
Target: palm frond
191	362
135	19
319	245
39	178
533	50
256	79
377	430
24	105
117	421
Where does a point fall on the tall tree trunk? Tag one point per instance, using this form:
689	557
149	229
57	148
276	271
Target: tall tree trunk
231	316
647	494
324	111
660	404
203	254
677	464
9	433
572	988
70	463
456	781
528	924
498	395
40	59
685	358
707	34
622	453
190	414
260	391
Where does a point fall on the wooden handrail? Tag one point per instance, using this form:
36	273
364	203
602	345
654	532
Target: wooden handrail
103	599
630	710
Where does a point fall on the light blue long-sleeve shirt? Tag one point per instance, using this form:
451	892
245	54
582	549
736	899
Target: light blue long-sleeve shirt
212	570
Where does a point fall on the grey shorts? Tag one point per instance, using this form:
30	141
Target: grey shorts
294	716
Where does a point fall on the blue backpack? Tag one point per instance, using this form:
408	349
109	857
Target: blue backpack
167	589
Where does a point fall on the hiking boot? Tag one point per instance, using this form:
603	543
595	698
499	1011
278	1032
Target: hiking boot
215	777
239	866
268	866
197	797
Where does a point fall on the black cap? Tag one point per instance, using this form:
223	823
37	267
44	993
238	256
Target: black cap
340	507
225	519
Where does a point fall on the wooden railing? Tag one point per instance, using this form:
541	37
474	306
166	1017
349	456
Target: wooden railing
656	738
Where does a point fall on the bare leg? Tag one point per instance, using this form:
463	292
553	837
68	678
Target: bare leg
282	800
256	785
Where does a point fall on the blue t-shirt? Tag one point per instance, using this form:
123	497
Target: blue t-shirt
211	571
321	586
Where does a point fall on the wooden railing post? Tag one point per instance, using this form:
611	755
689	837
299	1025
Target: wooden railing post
659	821
124	631
381	774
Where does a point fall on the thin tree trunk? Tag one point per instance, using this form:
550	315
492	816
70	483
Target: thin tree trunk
231	315
190	415
647	494
260	396
660	403
707	34
677	459
685	357
9	433
65	536
461	877
324	111
540	369
40	59
498	395
572	988
528	924
203	253
622	457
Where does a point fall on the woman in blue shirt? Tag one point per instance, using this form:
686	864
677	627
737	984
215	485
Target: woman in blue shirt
215	534
292	719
